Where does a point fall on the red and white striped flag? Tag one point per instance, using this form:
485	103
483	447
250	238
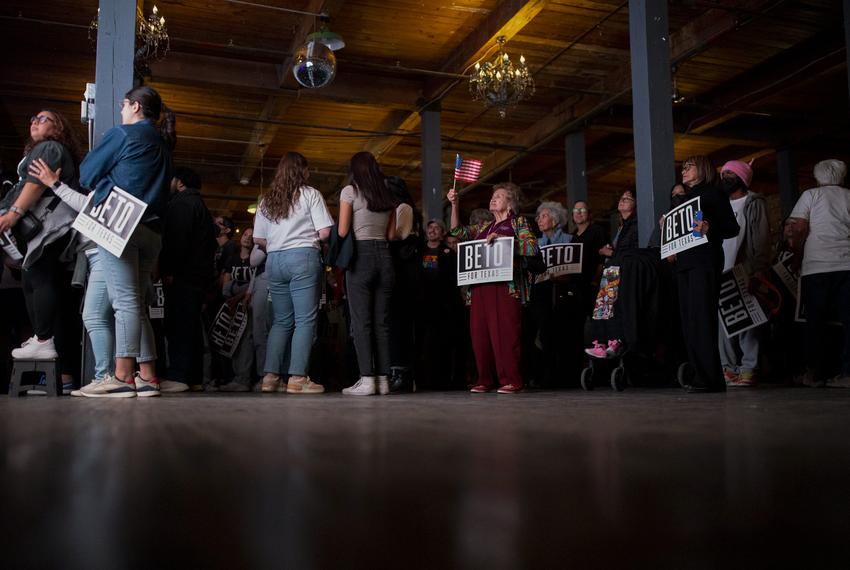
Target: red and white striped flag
467	170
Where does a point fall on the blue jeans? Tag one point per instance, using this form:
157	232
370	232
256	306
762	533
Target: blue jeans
128	283
294	286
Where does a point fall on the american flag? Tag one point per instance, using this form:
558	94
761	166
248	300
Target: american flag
467	170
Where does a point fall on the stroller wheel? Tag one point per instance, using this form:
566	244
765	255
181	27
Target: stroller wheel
618	379
685	374
587	379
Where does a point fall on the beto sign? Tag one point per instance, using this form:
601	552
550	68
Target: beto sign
677	232
478	262
111	223
561	259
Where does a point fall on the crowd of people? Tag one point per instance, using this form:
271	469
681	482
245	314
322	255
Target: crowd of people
375	292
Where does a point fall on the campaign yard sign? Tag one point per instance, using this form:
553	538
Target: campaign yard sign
739	311
111	224
156	310
478	262
677	234
227	329
561	259
7	242
784	271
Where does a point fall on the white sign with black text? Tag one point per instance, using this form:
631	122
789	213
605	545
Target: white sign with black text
111	224
561	259
7	242
227	329
478	262
786	274
739	311
677	233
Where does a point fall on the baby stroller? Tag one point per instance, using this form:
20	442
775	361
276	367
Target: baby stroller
626	311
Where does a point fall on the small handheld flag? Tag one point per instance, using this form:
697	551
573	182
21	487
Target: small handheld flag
467	170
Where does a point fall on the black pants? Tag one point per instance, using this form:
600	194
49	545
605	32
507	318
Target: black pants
183	303
699	290
42	285
369	285
827	298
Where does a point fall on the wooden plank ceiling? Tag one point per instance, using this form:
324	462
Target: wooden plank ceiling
756	75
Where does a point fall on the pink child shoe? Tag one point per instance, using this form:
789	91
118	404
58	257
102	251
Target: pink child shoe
597	350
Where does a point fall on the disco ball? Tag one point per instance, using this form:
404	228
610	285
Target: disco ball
315	65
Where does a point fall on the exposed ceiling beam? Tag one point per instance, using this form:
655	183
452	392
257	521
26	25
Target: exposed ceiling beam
276	106
507	19
571	113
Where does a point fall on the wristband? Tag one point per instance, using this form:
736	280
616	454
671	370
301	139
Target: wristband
56	184
16	210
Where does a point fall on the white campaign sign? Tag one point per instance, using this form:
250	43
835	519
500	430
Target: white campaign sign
561	259
7	242
739	311
677	233
111	224
227	329
478	262
156	310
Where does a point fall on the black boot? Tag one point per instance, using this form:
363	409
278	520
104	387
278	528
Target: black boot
401	380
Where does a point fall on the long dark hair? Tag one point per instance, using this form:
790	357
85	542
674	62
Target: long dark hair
152	107
64	134
290	176
368	180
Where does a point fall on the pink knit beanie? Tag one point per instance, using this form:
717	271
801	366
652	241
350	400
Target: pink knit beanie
743	170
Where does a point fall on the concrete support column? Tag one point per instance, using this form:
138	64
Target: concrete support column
116	33
847	37
786	174
652	105
576	167
432	167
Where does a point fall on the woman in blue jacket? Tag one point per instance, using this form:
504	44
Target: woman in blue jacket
136	157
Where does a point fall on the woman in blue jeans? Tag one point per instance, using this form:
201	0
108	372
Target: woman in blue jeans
367	208
97	307
136	157
292	218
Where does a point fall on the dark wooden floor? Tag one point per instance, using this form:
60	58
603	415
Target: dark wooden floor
645	478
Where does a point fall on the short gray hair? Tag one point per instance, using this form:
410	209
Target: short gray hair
557	211
479	216
830	172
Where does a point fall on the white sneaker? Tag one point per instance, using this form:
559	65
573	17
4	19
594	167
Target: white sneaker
112	387
233	386
383	385
34	349
365	386
146	388
172	386
93	387
838	382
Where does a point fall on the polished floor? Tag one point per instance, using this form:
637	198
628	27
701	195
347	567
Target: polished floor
646	478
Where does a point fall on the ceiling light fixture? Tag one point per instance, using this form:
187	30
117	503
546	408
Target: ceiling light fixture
315	62
500	83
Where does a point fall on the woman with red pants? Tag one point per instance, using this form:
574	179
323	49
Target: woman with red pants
496	308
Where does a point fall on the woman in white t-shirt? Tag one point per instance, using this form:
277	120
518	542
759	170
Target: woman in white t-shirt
292	218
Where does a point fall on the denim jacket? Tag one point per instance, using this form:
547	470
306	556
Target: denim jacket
134	158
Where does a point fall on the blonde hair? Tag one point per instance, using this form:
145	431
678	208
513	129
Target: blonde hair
513	194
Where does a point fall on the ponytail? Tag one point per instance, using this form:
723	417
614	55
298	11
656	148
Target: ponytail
152	108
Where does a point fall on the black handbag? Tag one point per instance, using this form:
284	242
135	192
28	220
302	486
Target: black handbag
31	225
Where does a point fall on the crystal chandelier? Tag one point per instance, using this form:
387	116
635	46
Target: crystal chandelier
151	39
500	83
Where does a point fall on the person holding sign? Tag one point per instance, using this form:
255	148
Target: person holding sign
698	271
41	225
495	314
549	297
751	249
135	157
821	219
292	218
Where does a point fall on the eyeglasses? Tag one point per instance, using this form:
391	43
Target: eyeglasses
579	210
41	119
627	199
686	167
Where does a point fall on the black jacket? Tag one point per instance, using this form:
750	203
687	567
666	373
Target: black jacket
717	211
188	240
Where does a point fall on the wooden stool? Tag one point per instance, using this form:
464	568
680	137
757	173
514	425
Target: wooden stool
50	369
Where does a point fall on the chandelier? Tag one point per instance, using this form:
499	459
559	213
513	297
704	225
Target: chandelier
500	83
151	39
